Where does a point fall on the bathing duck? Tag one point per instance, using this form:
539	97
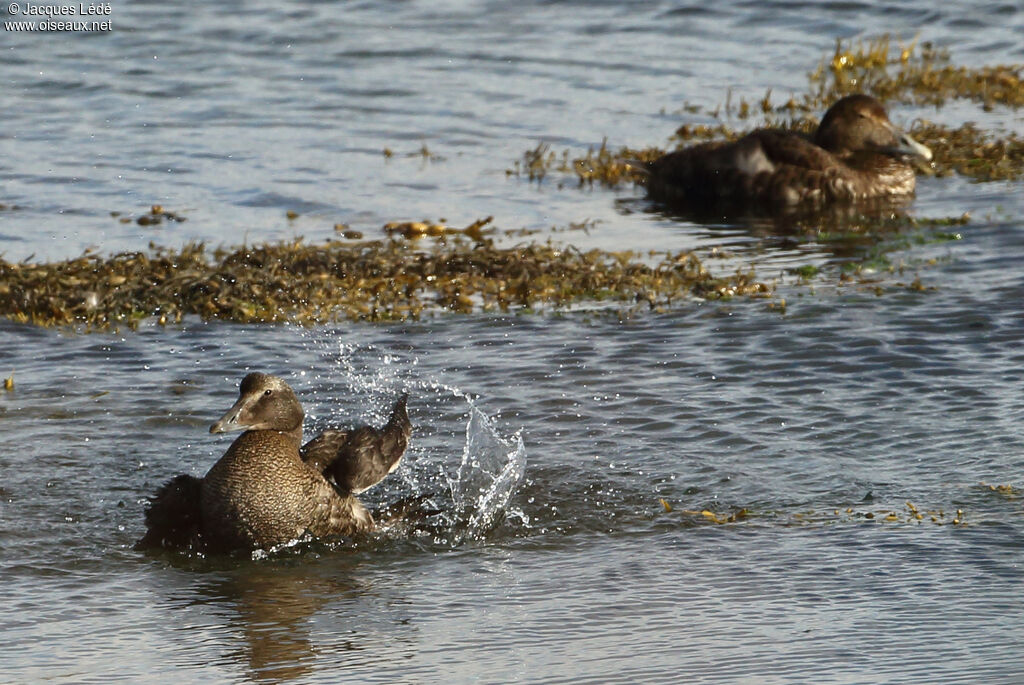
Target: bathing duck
268	488
856	154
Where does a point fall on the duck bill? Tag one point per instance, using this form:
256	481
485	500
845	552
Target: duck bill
910	147
235	419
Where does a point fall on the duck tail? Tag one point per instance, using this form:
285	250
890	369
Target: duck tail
173	517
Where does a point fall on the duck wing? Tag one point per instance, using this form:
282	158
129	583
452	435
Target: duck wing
708	173
803	173
786	148
321	451
369	454
174	515
765	166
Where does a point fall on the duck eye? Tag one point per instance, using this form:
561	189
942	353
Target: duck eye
267	393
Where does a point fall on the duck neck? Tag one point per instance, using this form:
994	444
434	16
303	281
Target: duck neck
294	435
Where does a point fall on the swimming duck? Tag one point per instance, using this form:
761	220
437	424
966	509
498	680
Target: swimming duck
855	154
268	488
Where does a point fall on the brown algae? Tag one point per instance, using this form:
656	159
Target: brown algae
376	280
920	74
155	216
910	515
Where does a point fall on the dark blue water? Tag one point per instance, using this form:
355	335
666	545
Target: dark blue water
820	423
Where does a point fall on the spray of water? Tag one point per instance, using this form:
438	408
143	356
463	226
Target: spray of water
467	502
489	475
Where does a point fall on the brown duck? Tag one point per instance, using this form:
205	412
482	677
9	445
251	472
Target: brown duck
268	488
855	154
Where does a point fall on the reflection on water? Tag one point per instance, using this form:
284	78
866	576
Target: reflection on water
837	233
275	605
274	608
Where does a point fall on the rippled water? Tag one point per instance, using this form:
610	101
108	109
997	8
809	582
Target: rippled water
806	422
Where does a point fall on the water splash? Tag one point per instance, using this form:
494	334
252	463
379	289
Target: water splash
457	504
492	469
472	501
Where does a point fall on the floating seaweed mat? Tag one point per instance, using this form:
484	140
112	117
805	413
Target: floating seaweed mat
378	280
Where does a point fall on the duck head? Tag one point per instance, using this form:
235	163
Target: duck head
264	403
858	123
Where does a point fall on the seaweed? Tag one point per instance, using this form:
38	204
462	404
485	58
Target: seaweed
383	280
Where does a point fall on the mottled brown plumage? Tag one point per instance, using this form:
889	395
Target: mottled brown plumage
262	493
856	154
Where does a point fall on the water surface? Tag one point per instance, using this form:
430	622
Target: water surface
846	404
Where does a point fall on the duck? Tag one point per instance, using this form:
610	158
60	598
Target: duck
855	154
269	489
